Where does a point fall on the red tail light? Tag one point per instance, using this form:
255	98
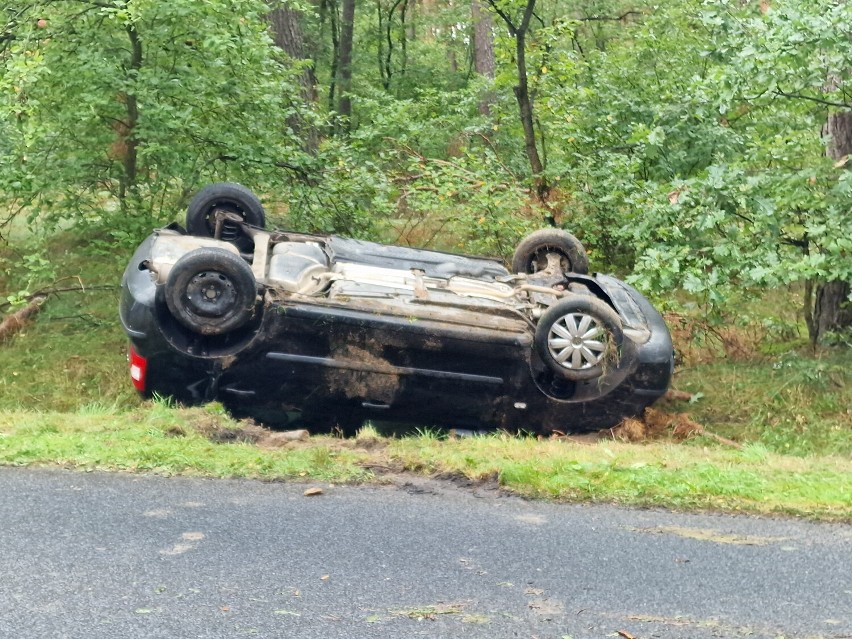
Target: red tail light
138	369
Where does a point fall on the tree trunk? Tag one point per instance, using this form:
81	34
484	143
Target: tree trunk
483	50
334	27
525	106
386	40
832	310
838	128
404	41
127	130
522	94
483	40
287	35
344	70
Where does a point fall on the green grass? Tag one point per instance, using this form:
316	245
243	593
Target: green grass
66	399
158	439
661	474
165	440
75	352
795	404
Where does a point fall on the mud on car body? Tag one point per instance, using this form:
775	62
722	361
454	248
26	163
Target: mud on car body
331	331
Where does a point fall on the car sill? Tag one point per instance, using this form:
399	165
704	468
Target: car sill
328	362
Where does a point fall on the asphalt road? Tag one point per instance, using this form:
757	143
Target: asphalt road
95	555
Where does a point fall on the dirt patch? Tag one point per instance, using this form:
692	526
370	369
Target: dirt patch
656	424
490	481
653	425
246	431
631	430
446	484
705	534
370	443
379	383
283	439
242	435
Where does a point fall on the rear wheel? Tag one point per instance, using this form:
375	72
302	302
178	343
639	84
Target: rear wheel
578	337
211	291
235	201
539	249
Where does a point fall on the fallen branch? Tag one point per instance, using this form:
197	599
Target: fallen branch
45	292
678	395
17	320
722	440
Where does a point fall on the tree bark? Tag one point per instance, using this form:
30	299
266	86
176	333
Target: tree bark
832	310
386	40
525	105
127	134
404	40
483	40
838	128
334	27
344	70
287	35
483	50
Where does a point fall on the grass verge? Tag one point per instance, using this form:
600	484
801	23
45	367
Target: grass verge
169	441
654	474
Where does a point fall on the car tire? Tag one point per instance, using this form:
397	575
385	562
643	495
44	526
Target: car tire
579	337
531	254
227	196
211	291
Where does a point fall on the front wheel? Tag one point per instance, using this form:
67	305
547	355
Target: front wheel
211	291
579	337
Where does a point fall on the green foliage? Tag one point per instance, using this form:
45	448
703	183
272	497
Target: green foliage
432	122
25	271
451	186
769	209
467	198
681	142
121	110
341	192
790	404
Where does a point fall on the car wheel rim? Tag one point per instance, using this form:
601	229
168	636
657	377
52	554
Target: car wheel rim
577	341
210	294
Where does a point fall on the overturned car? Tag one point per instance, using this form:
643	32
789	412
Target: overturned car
329	331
